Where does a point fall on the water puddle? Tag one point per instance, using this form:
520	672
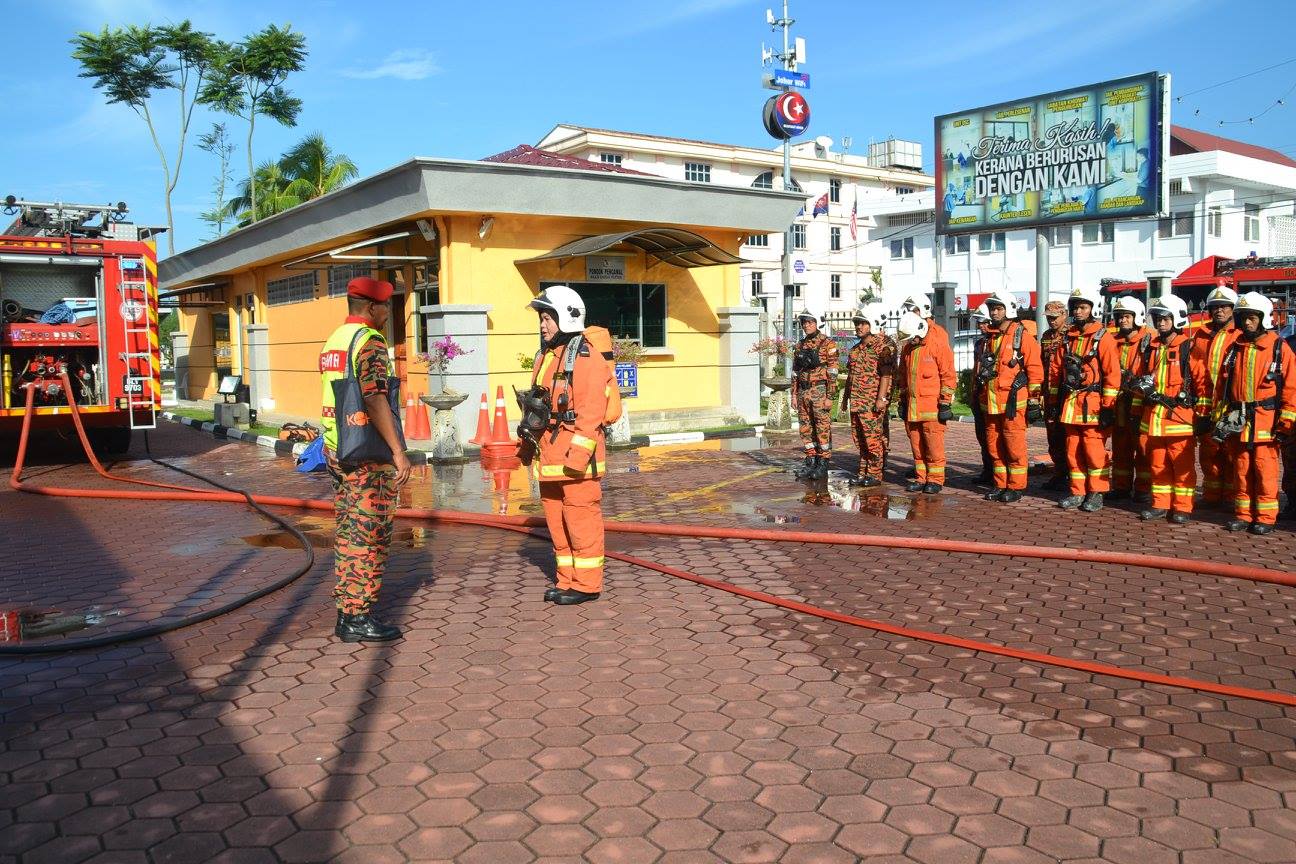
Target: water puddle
20	625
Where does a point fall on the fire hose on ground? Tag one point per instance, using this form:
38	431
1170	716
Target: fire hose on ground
527	525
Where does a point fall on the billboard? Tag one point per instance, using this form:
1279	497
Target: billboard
1085	154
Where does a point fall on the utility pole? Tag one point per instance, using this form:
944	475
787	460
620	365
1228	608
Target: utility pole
789	59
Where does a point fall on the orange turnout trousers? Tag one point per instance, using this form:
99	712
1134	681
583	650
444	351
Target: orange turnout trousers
927	439
574	515
1173	466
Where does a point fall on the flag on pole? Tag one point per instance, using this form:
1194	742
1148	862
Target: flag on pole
820	206
854	204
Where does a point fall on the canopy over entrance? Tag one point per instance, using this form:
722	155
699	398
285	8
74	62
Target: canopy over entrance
672	245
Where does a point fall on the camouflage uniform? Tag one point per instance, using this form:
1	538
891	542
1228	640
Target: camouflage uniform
813	392
869	361
364	502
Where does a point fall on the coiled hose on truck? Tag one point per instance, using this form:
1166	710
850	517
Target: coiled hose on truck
527	525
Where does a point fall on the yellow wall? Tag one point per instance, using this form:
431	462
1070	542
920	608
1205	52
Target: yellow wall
477	272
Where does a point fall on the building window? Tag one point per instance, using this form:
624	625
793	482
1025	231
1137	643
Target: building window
339	276
902	248
1176	187
697	172
796	291
1059	235
834	286
758	240
904	190
899	219
1098	232
764	181
993	242
798	236
834	190
955	245
834	239
628	310
757	283
610	158
297	288
1251	224
1179	224
1215	222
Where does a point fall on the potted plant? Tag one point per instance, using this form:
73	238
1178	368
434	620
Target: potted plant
629	352
778	349
443	352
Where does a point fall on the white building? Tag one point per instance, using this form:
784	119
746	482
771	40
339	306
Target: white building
837	269
1227	198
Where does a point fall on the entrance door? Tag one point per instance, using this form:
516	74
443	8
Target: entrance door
222	351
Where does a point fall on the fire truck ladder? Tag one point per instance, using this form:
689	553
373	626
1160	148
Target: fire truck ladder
141	393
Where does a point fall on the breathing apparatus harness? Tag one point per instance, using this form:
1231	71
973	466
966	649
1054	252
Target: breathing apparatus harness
1239	415
1145	385
1073	365
538	414
988	368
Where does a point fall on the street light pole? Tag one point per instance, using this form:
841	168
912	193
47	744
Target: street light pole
789	287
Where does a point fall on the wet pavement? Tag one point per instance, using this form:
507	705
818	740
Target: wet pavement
665	723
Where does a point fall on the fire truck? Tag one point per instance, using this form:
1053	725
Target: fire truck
78	295
1273	277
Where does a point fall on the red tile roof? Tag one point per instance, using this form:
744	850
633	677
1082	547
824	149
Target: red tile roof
524	154
1191	141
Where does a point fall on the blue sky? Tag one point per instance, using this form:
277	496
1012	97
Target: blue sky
388	81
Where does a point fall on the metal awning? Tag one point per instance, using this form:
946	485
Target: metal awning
672	245
333	257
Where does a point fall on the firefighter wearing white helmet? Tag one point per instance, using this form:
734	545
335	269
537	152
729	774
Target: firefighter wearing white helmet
1130	476
1166	379
937	337
981	321
1009	374
1084	381
814	386
926	390
1255	401
870	366
571	400
1210	343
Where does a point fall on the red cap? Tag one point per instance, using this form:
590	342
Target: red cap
367	288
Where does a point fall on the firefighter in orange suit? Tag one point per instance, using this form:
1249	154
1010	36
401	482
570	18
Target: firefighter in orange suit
1084	380
572	456
937	338
1209	345
1164	383
926	391
1010	376
1129	473
1255	407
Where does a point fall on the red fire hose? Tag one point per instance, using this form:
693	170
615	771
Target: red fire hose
168	492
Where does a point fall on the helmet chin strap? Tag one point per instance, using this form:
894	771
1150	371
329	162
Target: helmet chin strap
559	338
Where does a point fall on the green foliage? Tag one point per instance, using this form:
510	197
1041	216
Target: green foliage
308	170
133	64
168	325
217	143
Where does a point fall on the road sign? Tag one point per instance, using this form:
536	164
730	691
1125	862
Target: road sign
788	78
792	113
798	265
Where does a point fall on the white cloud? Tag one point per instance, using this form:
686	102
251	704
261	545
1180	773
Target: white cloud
407	65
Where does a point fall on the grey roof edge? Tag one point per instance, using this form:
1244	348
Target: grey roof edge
422	185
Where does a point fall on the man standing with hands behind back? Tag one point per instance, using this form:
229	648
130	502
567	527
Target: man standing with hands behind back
365	494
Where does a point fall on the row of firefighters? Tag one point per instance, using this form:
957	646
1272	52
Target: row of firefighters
1128	412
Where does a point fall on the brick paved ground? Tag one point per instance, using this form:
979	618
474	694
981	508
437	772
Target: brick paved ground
664	723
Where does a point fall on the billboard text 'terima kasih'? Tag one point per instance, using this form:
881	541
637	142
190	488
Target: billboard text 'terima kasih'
1086	154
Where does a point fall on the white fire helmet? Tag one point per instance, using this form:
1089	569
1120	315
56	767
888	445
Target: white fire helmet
1005	299
918	302
861	316
566	306
911	325
1090	294
980	314
807	315
1134	306
1221	296
1175	307
877	317
1254	301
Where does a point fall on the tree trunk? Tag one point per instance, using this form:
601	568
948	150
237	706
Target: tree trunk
252	190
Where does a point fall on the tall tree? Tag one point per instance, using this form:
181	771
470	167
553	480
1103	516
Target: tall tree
218	143
249	84
133	64
310	169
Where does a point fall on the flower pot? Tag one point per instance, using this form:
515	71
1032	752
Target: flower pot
777	383
443	401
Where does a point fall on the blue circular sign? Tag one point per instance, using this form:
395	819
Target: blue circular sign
792	113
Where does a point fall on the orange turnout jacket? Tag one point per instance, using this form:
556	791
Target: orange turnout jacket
1100	374
579	449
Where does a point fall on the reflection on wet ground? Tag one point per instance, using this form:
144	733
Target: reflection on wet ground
319	531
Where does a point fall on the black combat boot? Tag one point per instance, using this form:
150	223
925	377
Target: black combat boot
551	594
1261	528
1237	525
364	627
1011	496
807	467
1071	502
1152	513
571	597
1093	502
994	495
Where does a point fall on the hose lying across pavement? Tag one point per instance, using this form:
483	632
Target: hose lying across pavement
526	525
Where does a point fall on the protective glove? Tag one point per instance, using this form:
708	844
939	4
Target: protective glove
1034	411
943	413
1202	426
1106	418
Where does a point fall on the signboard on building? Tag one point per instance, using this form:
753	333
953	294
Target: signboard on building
604	268
786	115
788	78
627	375
1086	154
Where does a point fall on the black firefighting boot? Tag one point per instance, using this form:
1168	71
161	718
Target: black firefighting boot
1152	513
1261	528
1011	496
1178	517
807	467
994	495
551	594
571	597
820	470
1237	525
364	627
914	485
1093	502
931	488
1071	502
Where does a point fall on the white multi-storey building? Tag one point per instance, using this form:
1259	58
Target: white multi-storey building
838	269
1226	198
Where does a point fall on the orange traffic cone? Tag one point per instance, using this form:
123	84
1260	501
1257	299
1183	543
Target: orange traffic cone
500	434
483	433
420	427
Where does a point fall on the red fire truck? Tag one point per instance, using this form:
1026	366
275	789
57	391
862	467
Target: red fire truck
78	295
1273	277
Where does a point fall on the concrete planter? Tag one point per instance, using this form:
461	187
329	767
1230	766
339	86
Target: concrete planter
445	427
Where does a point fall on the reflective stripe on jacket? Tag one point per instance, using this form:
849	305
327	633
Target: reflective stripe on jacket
579	450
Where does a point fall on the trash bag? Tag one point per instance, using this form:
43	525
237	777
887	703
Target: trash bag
312	458
59	313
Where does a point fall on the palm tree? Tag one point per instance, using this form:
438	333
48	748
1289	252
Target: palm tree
310	169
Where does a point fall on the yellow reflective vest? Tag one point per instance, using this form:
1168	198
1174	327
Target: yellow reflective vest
332	366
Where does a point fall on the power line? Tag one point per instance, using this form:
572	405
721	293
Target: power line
1183	96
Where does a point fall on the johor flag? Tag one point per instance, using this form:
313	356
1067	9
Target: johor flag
800	212
820	205
854	204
